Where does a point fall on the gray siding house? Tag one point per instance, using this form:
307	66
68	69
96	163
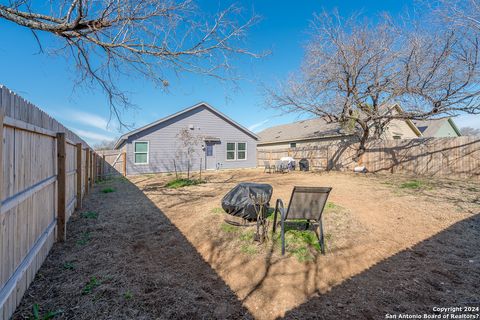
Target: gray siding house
220	143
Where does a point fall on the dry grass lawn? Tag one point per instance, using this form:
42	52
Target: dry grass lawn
370	219
394	244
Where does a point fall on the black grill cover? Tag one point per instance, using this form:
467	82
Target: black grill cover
303	165
238	201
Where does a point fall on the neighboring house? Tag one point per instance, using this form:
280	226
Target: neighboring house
300	134
317	130
438	128
221	143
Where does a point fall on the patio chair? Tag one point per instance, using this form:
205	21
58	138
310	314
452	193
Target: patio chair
268	167
305	203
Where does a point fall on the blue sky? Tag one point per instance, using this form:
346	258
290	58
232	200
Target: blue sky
48	80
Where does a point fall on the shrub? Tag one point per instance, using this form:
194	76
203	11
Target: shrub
90	285
85	238
69	266
47	316
108	190
181	182
128	295
413	184
90	215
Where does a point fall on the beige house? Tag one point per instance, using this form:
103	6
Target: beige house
317	131
438	128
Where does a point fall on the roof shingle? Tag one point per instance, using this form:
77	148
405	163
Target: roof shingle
301	130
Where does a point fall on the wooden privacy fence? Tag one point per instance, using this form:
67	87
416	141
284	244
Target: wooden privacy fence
45	172
113	162
435	157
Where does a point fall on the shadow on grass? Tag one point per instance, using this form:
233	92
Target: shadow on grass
442	270
411	281
145	268
133	251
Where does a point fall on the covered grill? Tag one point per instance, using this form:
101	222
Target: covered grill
303	165
240	201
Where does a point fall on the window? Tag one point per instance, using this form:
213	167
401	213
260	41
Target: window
236	150
397	137
241	151
141	152
293	144
230	151
209	150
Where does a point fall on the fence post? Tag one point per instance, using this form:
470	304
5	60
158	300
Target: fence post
61	187
87	168
103	167
125	164
1	155
91	169
79	176
95	168
98	167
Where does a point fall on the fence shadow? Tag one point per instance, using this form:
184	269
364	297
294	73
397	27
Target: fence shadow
429	156
124	259
448	157
442	270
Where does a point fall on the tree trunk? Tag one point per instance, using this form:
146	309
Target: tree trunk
175	168
363	140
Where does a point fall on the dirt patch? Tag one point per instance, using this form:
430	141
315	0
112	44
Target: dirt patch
379	219
153	252
124	259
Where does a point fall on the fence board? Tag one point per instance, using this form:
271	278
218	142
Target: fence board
434	157
112	162
29	191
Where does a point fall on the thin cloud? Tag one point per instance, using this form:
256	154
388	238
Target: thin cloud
92	136
88	119
257	125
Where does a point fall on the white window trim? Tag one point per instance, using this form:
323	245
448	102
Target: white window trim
148	153
235	151
246	148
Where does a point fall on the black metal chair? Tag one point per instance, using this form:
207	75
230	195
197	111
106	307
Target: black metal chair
305	203
268	167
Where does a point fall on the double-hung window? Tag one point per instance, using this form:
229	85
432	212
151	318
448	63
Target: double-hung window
141	152
231	150
236	150
241	151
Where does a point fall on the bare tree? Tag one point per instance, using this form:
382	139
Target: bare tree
105	145
469	131
112	38
460	13
188	148
355	71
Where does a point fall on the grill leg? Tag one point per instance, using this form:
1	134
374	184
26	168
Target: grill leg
321	239
282	231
